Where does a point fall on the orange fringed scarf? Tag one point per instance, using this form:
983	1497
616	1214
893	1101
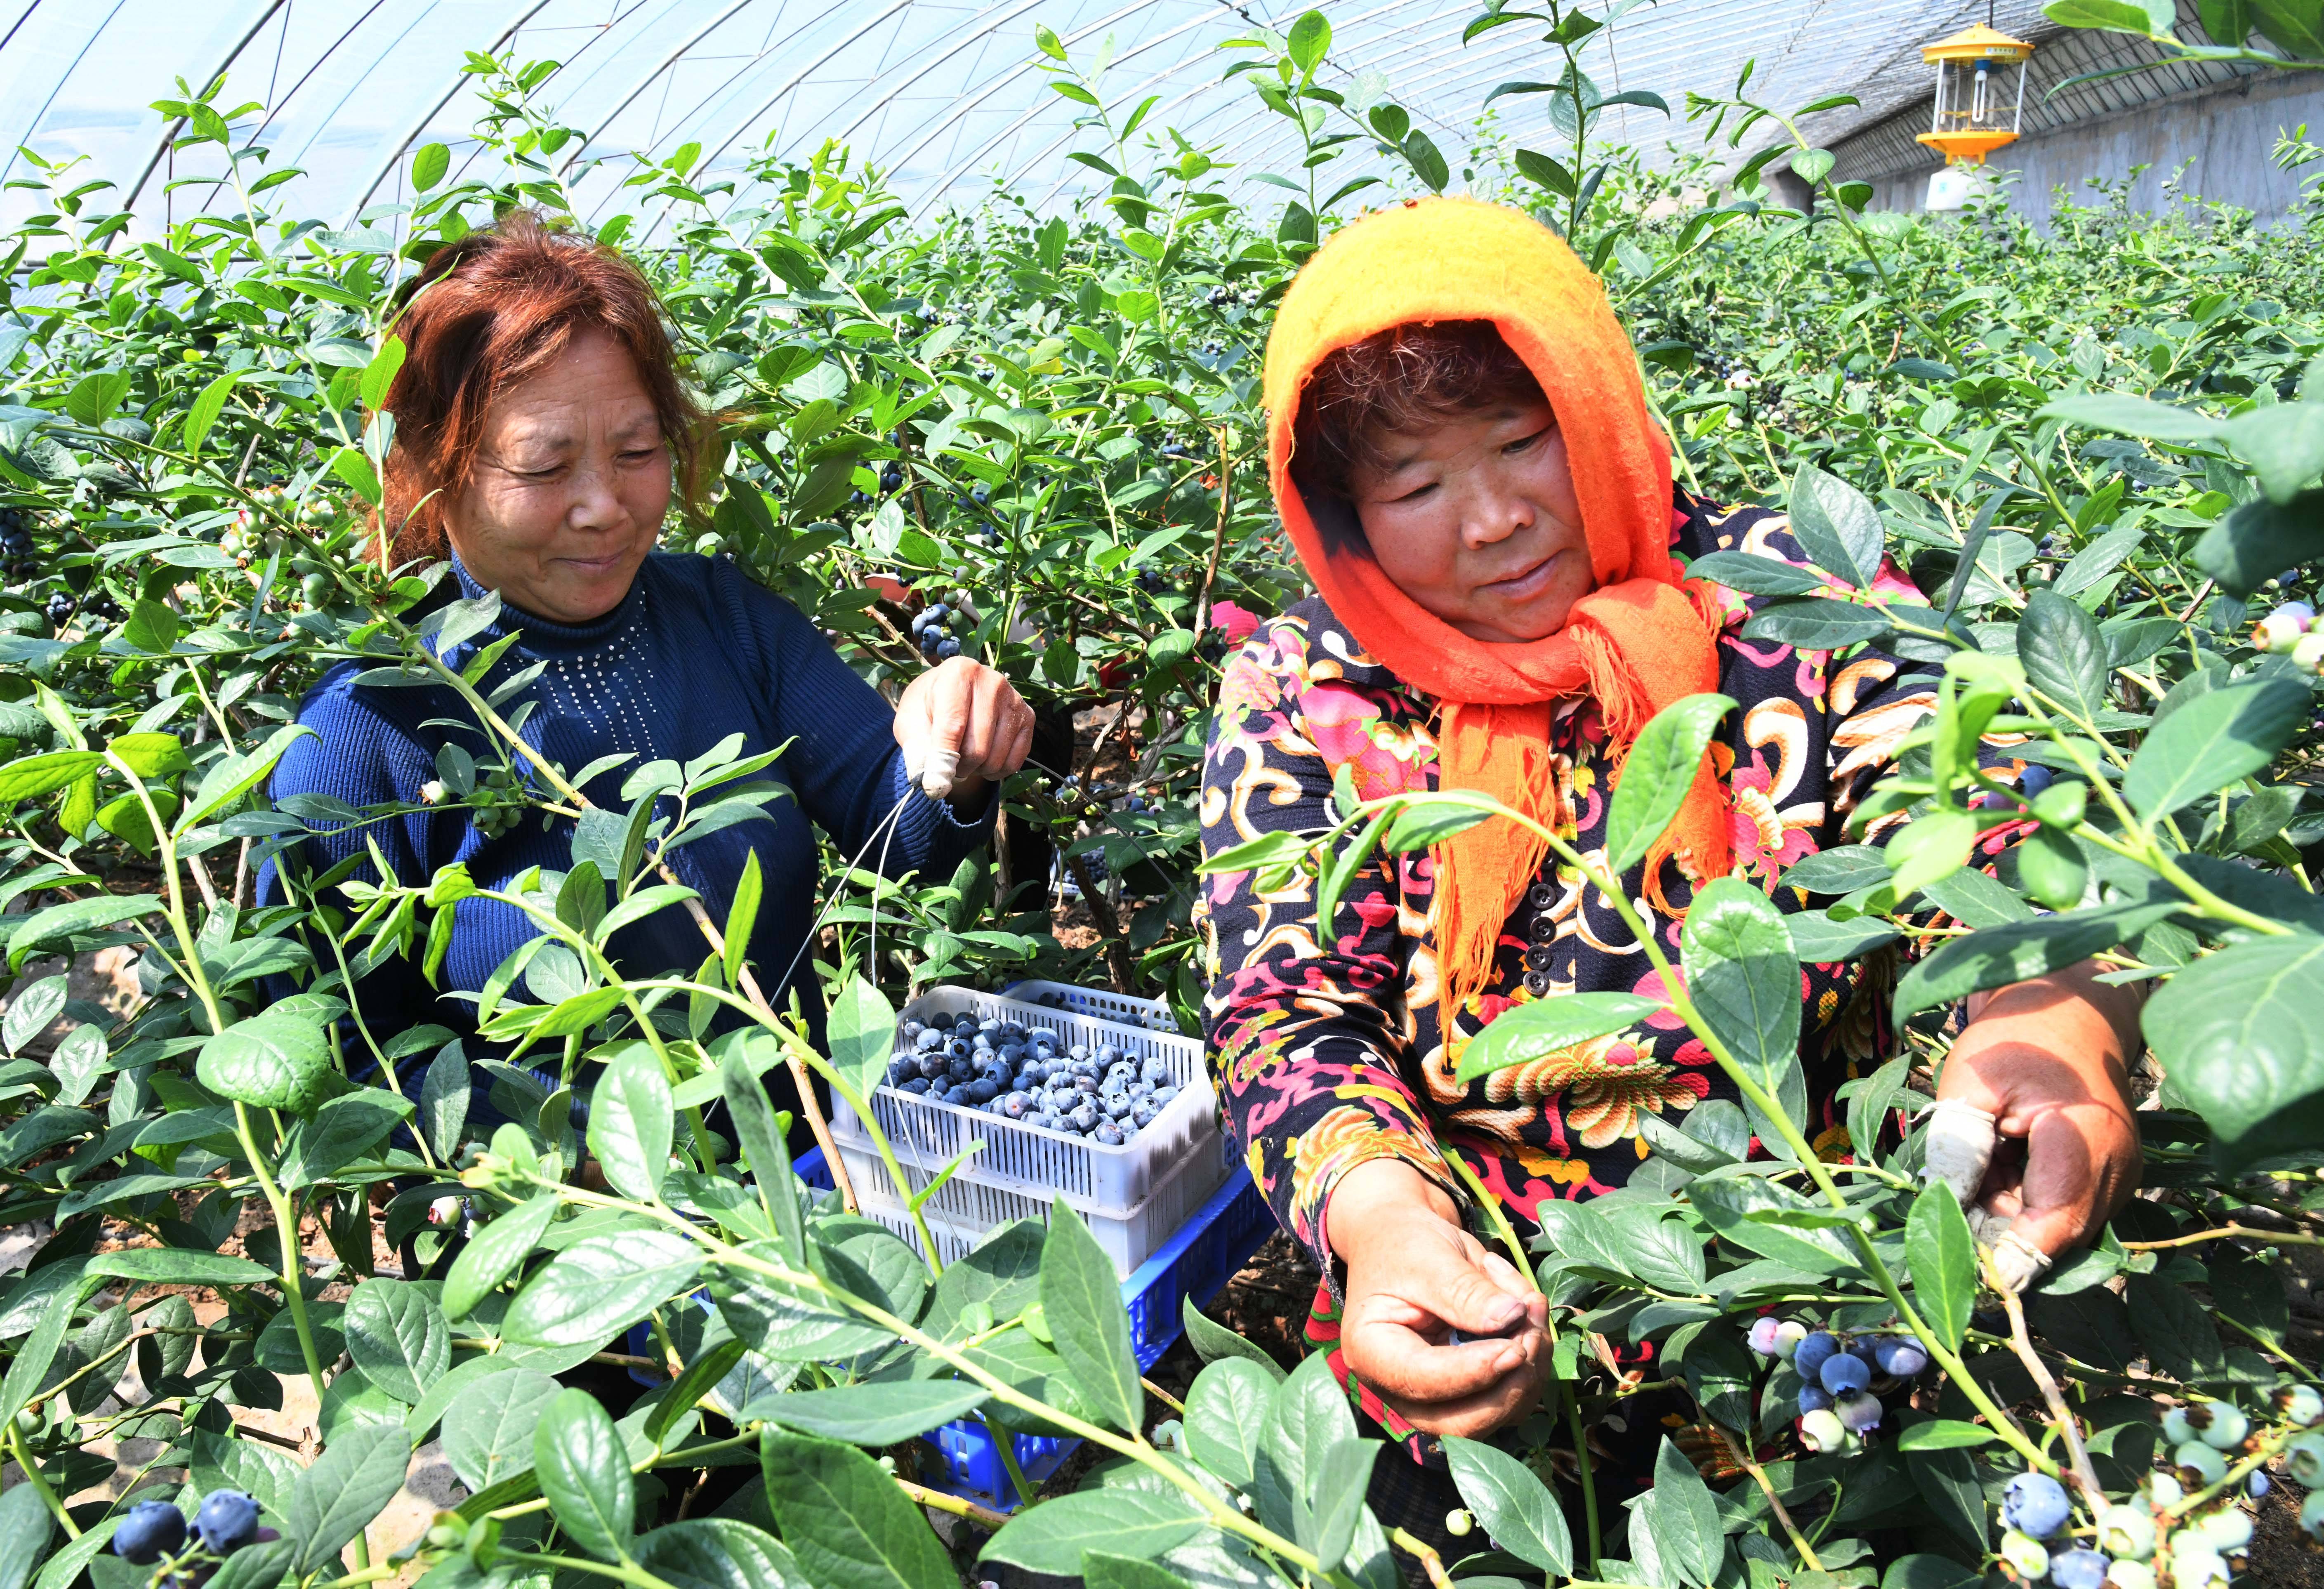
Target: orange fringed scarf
1637	643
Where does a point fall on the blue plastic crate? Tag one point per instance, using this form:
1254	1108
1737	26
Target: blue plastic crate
1194	1263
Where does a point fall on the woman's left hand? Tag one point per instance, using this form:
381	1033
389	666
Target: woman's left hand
2047	1058
962	724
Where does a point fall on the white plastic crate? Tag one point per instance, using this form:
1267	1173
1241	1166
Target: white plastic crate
1029	1159
1102	1002
962	1212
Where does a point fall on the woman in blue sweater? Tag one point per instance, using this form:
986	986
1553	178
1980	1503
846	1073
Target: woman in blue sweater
541	434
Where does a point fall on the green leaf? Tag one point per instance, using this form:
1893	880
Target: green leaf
232	777
494	1251
354	471
1088	1324
332	1501
1308	39
1335	1496
463	1377
1948	1483
31	1010
278	1059
700	1378
743	917
2063	653
26	1531
1687	1527
340	1130
1308	1416
862	1027
846	1521
28	1371
630	1121
1811	166
2291	25
1517	1511
1424	822
2283	443
1999	955
718	1553
1215	1342
380	374
95	397
1942	1257
1103	1570
873	1415
1531	1031
430	162
597	1287
30	777
75	916
1772	1220
1760	576
1427	161
1942	1434
2237	1034
443	1099
1930	848
1816	624
1051	1537
2258	539
1226	1412
397	1335
1837	526
1660	770
790	1323
2236	732
488	1432
1581	1233
2120	411
1743	975
584	1469
2095	561
765	1150
176	1266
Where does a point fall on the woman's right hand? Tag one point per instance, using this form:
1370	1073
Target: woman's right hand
1415	1276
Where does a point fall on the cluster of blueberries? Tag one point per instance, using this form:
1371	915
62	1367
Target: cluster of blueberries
16	549
226	1521
2034	1507
932	628
1835	1375
1001	1067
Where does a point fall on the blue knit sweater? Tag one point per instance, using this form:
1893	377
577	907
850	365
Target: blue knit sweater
695	652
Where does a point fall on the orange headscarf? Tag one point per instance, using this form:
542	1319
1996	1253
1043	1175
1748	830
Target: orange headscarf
1637	643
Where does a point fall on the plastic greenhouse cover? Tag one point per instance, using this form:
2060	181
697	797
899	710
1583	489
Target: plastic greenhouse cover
948	98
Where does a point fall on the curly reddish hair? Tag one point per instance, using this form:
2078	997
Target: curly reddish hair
488	311
1406	378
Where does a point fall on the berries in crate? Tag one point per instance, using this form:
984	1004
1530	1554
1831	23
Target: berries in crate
1119	1119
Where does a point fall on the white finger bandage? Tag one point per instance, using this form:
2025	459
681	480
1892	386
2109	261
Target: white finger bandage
2018	1262
932	770
1960	1146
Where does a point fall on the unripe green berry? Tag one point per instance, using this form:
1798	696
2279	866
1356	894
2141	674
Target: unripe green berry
2127	1533
1458	1522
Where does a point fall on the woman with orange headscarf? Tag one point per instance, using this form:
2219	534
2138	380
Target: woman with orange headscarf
1461	452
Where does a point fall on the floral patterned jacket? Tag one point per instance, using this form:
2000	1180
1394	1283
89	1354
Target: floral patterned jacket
1331	1049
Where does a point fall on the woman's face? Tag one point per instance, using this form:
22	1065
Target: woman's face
1476	520
570	485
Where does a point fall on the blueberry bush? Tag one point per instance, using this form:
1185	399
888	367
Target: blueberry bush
1035	439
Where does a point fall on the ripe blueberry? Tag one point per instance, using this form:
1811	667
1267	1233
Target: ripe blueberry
152	1530
2035	1504
227	1521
